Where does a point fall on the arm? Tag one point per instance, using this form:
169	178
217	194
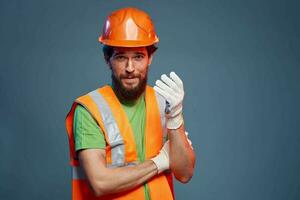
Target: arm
105	180
182	156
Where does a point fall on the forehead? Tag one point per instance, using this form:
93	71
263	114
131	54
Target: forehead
130	50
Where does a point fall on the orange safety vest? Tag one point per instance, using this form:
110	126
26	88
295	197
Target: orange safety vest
106	109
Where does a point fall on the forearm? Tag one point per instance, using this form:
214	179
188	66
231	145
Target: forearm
105	180
125	178
182	157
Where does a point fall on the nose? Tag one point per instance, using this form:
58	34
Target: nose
129	67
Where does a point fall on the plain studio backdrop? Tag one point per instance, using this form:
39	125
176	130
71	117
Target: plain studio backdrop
239	61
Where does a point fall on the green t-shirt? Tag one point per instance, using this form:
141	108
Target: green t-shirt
88	135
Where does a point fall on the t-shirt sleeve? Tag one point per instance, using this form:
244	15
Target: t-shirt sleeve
87	133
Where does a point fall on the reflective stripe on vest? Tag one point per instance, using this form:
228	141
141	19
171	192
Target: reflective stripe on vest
115	138
78	173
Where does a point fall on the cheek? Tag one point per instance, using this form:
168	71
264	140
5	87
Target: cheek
142	67
116	68
143	72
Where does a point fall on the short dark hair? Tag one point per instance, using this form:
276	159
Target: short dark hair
109	50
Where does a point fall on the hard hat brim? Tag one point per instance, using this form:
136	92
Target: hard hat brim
128	43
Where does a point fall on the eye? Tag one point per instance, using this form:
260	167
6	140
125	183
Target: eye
139	57
120	58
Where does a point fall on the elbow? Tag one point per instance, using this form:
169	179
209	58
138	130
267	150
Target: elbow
184	180
186	177
101	186
99	189
98	192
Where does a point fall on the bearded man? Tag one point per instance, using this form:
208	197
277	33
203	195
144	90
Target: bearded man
127	139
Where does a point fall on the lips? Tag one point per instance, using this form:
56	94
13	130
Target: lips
130	80
128	77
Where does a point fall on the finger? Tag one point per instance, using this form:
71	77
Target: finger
168	81
164	87
176	79
162	93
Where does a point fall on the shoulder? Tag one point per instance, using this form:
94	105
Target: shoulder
79	109
83	115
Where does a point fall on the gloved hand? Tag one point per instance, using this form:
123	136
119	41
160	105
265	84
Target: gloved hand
162	161
172	90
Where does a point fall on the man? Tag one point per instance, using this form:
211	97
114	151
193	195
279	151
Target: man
128	139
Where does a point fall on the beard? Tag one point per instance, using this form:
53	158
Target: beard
129	94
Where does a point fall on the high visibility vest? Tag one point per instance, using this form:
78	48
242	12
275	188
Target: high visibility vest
121	150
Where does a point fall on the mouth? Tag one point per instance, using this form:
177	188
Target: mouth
130	80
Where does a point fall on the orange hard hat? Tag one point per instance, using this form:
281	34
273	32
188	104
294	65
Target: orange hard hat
128	27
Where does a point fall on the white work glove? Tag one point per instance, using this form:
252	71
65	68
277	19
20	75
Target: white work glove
171	88
162	159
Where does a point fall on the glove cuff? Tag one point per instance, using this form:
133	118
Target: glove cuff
175	122
156	162
161	161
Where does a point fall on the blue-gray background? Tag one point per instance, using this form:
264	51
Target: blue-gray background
240	64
